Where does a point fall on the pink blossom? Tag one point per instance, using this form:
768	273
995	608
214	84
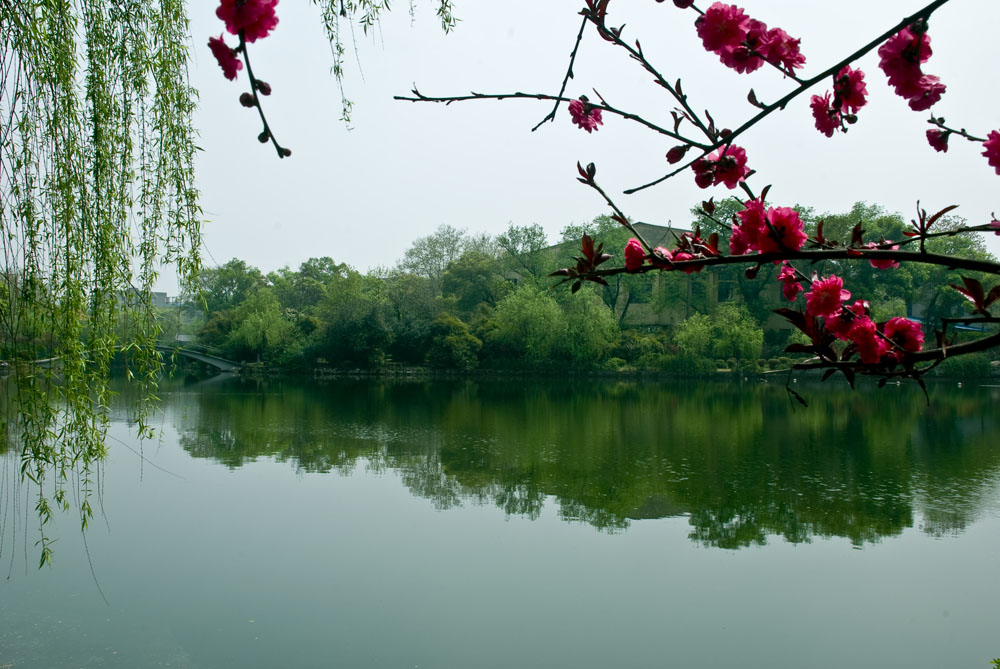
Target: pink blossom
225	56
826	296
789	231
992	152
780	48
704	172
938	139
902	54
790	287
883	263
849	87
840	323
865	336
752	222
635	255
662	256
722	27
739	244
746	57
827	118
727	165
255	18
731	166
905	334
928	93
901	57
681	256
585	115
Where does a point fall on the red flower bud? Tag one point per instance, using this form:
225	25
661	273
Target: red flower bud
676	154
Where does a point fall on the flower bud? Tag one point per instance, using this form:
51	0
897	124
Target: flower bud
676	154
264	87
246	99
263	137
683	4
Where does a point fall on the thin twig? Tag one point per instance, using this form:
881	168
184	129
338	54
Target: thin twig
569	75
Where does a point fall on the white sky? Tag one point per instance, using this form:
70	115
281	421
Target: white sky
362	196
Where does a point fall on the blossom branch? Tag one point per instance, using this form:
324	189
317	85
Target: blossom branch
781	103
604	107
676	91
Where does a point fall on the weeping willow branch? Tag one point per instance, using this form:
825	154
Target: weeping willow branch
97	191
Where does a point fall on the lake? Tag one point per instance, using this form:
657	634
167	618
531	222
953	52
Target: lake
525	523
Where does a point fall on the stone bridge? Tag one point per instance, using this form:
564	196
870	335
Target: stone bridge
201	356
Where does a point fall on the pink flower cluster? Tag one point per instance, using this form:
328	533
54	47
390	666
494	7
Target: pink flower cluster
770	231
901	57
852	323
938	139
635	255
585	115
255	18
225	56
849	95
992	152
790	286
728	165
744	44
690	246
883	263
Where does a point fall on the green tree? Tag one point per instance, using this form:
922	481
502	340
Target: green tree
429	256
472	279
591	329
524	250
228	286
259	327
453	346
527	326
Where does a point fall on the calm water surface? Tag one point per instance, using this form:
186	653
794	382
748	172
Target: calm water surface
526	524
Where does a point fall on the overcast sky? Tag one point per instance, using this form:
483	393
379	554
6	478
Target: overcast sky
363	195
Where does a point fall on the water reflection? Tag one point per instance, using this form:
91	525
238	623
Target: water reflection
737	460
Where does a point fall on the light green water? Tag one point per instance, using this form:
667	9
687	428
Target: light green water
527	524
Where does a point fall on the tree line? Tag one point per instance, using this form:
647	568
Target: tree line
461	301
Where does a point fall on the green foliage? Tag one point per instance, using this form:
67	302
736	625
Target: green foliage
973	366
592	329
228	286
453	346
729	332
528	326
259	327
473	278
429	256
524	251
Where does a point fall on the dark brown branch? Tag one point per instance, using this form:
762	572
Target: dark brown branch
447	100
551	116
822	254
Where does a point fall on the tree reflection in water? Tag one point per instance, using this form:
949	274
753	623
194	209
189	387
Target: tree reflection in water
736	459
